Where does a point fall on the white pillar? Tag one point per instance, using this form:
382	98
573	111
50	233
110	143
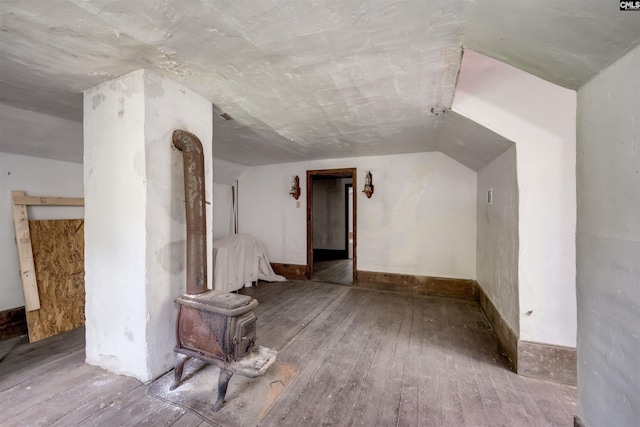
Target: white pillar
134	218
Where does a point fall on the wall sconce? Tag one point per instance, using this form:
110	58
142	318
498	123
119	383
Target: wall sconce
295	187
368	185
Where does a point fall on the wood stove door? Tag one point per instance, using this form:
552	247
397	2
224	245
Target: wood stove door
245	335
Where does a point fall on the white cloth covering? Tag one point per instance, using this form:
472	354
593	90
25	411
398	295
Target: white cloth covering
240	259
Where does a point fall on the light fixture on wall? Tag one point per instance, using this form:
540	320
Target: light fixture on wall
295	187
368	185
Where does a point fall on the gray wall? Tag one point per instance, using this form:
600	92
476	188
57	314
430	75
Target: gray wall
608	245
328	213
497	238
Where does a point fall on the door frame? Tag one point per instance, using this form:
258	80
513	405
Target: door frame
330	173
346	216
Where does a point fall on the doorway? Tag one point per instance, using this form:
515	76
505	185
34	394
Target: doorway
331	226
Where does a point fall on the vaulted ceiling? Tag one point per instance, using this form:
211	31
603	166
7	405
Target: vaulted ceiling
306	80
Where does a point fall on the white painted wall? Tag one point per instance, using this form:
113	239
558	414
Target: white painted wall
540	118
115	234
37	177
170	106
421	219
608	245
497	244
225	174
222	211
134	227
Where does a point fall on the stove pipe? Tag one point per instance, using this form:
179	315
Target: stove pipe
193	159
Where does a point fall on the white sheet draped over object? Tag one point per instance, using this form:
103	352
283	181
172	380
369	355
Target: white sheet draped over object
239	259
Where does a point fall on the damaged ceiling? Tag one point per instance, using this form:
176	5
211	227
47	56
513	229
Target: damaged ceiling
307	80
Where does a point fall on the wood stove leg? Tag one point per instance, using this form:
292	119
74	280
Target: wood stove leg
223	382
181	359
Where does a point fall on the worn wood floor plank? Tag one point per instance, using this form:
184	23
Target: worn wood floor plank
10	346
509	400
358	381
358	357
20	360
336	271
307	389
12	376
135	408
408	411
389	409
490	399
67	401
371	392
103	393
314	337
328	382
429	411
464	326
548	395
38	350
450	397
28	394
286	320
190	420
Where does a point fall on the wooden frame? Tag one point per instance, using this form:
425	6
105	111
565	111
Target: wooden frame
329	173
346	217
20	201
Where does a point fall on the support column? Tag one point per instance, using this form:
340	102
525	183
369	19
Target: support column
134	218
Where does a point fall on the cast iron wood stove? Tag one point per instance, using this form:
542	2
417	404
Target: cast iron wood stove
213	326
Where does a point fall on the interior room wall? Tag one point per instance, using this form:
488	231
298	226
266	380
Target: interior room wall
38	177
225	175
421	219
497	245
608	245
329	213
135	232
222	211
539	117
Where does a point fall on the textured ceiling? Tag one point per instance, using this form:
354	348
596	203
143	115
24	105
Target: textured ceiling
564	42
306	80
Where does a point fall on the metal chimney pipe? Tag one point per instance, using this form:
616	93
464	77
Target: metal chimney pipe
193	159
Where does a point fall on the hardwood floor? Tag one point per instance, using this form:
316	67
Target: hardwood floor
337	271
362	357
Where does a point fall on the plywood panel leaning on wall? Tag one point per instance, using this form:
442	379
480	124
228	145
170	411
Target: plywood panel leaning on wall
58	254
60	264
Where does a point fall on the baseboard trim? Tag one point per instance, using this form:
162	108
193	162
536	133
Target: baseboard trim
13	323
544	361
548	362
506	337
423	285
291	271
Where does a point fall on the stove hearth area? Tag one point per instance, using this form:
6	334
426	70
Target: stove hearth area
213	326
